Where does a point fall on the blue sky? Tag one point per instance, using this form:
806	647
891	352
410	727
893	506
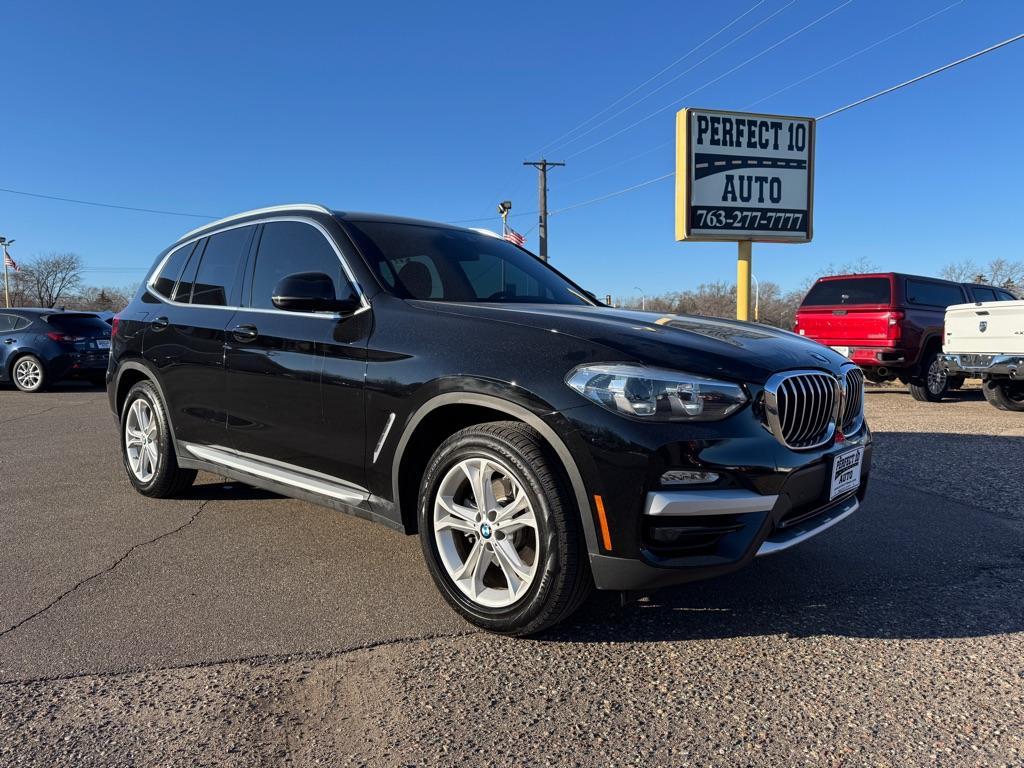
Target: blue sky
429	109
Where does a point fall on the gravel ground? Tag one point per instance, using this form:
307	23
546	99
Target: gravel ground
243	629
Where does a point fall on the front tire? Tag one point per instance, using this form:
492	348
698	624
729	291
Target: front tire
29	374
146	445
932	387
1004	394
500	530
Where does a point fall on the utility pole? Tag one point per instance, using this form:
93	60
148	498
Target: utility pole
7	293
542	165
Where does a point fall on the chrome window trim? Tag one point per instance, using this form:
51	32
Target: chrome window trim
305	220
260	211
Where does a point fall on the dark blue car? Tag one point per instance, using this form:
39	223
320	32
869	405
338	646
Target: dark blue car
41	346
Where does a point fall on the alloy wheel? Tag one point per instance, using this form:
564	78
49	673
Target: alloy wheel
936	378
140	440
486	532
28	374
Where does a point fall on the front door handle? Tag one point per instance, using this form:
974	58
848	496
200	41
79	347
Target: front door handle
9	341
160	323
245	333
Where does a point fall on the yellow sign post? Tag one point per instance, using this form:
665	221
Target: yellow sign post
744	177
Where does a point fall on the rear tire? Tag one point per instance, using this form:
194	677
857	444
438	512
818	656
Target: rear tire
514	562
146	446
29	374
1004	394
932	387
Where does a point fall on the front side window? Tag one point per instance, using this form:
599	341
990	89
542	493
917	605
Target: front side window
419	261
933	294
288	247
215	278
171	270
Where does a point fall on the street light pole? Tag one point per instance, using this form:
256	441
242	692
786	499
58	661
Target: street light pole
643	298
7	293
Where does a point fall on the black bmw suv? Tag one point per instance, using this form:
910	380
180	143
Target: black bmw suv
445	382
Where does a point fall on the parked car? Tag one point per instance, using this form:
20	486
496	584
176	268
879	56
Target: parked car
446	382
986	340
41	346
890	324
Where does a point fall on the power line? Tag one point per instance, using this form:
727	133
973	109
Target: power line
919	78
651	79
107	205
684	72
725	74
834	112
853	55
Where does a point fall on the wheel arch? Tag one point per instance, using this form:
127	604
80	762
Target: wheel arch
447	413
129	374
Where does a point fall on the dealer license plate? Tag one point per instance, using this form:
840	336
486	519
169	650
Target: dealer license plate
844	351
102	343
846	472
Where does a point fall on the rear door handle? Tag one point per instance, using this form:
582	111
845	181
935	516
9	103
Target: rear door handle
245	333
9	341
160	323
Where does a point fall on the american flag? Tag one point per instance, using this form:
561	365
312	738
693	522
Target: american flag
9	262
514	237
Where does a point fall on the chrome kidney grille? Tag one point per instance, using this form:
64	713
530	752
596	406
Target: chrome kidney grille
853	400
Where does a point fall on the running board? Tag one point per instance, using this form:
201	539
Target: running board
279	472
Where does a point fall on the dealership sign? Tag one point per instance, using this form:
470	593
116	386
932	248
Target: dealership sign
742	176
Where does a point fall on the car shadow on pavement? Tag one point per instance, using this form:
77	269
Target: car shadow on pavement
227	491
910	563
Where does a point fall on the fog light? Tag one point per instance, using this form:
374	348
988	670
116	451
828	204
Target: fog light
688	477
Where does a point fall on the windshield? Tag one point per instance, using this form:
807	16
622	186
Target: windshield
417	261
853	290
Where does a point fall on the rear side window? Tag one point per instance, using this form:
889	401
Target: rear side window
288	247
984	294
171	271
79	325
1005	296
215	279
933	294
853	290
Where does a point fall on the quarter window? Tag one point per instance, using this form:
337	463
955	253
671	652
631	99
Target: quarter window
168	277
288	247
215	279
984	294
933	294
7	323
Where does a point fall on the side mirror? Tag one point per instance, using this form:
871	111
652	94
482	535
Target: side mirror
312	292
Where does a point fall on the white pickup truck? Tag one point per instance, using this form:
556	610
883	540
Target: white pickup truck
986	341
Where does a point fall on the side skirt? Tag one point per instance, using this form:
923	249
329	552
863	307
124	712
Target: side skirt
250	470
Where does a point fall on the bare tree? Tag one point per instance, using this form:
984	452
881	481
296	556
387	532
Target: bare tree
46	279
999	271
718	299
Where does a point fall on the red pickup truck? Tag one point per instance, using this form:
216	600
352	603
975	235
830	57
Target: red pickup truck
890	324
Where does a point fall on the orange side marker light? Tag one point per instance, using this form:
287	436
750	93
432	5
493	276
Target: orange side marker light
606	537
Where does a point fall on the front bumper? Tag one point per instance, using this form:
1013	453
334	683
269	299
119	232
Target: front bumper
767	498
984	365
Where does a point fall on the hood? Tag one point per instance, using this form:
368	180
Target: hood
707	346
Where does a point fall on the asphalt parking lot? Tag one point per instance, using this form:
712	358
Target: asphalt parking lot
235	627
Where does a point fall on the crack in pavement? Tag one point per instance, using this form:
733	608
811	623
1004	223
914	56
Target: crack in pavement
104	571
29	415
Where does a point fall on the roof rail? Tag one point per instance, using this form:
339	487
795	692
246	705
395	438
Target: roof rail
254	211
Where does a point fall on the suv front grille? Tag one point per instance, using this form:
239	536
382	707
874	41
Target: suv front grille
853	401
801	407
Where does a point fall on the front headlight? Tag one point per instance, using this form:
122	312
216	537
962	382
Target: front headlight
656	394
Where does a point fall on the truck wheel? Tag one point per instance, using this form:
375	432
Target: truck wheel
500	531
146	445
1004	394
933	386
